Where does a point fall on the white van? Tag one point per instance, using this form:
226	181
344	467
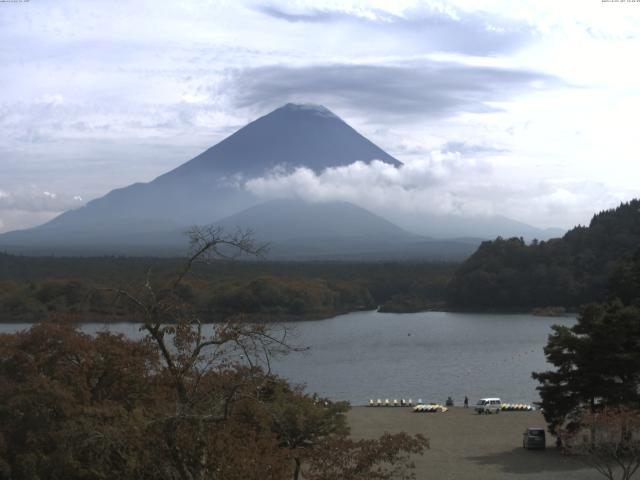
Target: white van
488	405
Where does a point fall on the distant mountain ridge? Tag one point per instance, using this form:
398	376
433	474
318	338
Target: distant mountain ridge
338	230
280	220
484	227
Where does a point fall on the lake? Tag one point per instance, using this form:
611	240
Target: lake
428	355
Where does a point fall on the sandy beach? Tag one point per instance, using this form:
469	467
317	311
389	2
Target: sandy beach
465	445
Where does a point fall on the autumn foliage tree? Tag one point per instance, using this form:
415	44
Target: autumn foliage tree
341	458
72	406
608	441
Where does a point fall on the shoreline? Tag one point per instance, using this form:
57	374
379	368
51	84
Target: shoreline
280	318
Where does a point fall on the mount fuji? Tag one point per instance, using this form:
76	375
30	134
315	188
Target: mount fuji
148	218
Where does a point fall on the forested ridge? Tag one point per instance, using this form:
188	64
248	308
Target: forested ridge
31	288
504	274
569	271
590	396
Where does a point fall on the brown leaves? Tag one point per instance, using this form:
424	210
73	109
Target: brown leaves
388	457
608	440
70	403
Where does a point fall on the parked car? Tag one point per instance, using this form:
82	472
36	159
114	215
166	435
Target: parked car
488	405
534	437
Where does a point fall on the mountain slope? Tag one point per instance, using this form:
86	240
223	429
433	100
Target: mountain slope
296	229
290	220
338	230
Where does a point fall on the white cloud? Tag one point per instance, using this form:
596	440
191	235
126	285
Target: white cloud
29	205
33	199
443	184
416	186
51	99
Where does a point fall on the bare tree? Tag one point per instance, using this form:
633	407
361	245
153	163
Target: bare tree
192	352
608	441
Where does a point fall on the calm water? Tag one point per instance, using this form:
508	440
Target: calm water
427	355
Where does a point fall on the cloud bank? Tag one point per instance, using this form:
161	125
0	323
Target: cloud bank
378	185
441	184
419	89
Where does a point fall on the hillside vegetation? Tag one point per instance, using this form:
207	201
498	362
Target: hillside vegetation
568	271
32	288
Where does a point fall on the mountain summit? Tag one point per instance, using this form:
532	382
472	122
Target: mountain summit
293	135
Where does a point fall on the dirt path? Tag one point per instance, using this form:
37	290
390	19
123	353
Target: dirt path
469	446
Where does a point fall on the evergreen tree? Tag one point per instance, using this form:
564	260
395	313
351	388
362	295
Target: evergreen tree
597	365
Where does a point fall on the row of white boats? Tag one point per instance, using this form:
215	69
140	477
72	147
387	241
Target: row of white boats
430	408
419	407
437	407
521	407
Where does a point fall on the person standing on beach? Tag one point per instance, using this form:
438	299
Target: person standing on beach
466	402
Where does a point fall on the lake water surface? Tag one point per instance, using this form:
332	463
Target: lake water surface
429	355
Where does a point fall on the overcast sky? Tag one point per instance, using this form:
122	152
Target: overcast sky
522	108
